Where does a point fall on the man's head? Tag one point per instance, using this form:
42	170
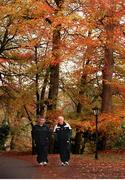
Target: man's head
41	120
60	120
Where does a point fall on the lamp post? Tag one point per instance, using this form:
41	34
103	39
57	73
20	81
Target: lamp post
96	113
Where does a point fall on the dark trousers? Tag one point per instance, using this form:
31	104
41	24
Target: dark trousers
64	151
42	152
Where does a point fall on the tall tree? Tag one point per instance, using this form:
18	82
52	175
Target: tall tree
107	72
54	67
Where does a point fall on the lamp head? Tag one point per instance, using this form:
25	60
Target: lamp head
96	111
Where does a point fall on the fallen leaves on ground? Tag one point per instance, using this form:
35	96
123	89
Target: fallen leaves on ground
110	165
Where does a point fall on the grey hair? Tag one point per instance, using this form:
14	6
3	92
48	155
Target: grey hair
61	117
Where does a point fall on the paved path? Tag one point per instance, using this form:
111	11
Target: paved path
11	168
24	166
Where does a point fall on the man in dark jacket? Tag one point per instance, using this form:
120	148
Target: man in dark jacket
63	134
40	135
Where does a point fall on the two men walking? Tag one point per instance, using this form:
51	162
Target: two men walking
41	138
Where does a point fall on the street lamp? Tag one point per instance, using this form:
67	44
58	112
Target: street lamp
96	112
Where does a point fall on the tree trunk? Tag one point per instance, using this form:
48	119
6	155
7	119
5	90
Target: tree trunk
107	72
84	76
37	84
83	83
54	68
107	78
43	91
81	92
54	84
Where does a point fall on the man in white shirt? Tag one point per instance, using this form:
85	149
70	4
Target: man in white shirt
63	134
